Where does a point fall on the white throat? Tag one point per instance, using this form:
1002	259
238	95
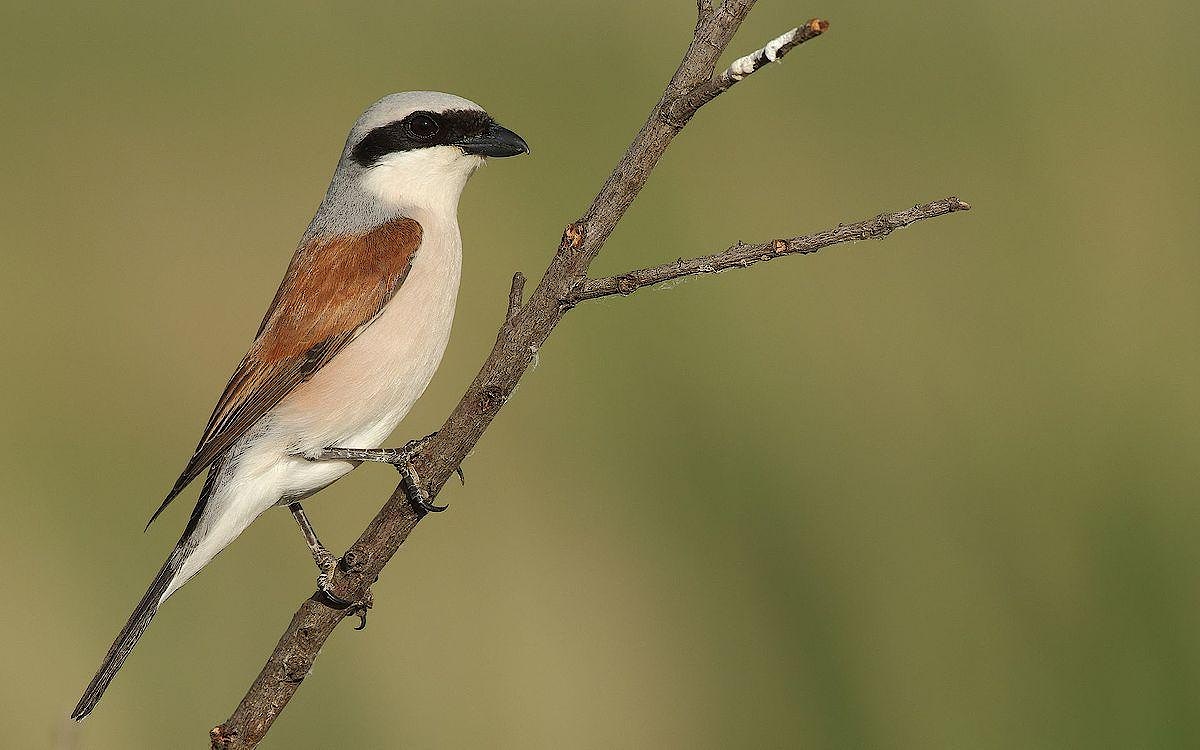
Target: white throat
424	184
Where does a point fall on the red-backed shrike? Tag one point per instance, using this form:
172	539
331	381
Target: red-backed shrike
349	343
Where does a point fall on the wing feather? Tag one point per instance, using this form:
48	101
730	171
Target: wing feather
333	289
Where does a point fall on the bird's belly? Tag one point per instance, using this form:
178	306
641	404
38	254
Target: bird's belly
362	394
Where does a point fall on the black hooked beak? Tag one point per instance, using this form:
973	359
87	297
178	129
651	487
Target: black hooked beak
497	141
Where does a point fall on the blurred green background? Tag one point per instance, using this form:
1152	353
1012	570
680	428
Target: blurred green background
934	492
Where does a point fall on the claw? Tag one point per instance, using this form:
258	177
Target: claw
416	495
360	608
326	590
461	477
412	483
427	505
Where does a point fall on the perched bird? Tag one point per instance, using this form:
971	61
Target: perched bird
354	334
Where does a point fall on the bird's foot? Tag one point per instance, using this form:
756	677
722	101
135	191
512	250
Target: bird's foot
327	564
413	446
325	583
325	561
417	495
358	608
401	460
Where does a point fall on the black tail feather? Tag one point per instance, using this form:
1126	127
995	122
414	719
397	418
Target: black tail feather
129	635
147	607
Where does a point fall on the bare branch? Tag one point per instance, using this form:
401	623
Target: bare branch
772	51
525	329
682	109
743	256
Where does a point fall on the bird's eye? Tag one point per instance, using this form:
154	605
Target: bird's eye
423	126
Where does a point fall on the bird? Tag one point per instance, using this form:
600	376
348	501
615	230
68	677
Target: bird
350	341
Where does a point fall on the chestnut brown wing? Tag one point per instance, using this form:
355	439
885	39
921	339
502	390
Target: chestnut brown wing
333	289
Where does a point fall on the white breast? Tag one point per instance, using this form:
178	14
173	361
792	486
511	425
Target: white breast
360	396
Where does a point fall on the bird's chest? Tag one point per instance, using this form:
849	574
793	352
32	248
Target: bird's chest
366	389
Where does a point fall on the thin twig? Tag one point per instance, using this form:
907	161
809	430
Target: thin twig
743	256
682	109
525	329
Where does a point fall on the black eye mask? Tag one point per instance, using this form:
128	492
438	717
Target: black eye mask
421	130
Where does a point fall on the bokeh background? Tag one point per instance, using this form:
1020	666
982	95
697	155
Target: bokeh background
933	492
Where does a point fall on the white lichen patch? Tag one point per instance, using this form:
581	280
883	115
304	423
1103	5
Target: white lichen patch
744	66
771	51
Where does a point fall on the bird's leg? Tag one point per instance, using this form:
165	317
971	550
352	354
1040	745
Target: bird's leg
401	459
324	559
321	556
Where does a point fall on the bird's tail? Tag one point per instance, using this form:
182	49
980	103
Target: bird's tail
160	588
129	635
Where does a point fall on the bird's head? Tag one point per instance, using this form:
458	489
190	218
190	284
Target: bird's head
415	151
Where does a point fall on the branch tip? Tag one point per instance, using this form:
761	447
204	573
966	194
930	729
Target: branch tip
742	255
681	110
